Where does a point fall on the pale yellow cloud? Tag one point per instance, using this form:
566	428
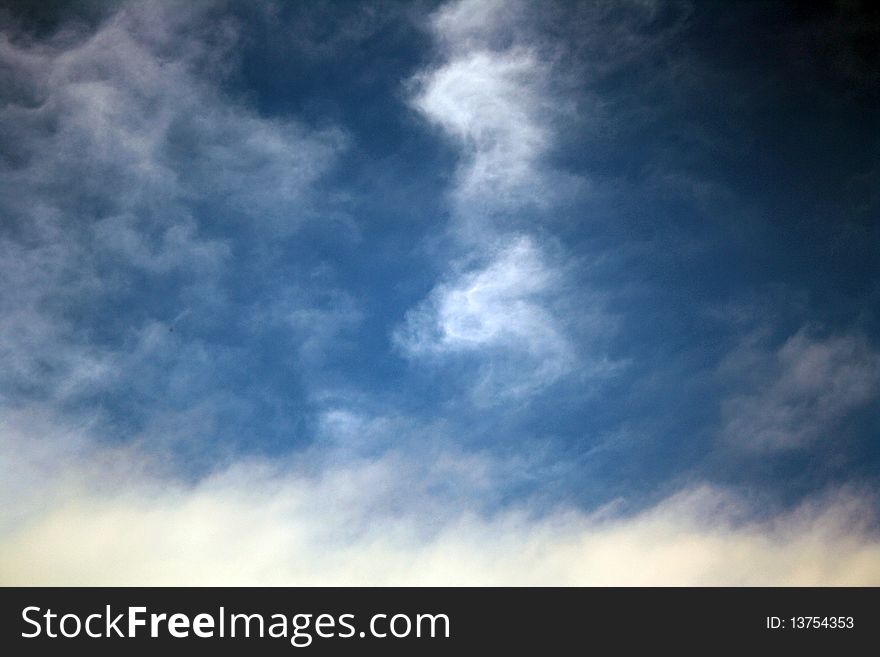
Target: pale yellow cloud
365	523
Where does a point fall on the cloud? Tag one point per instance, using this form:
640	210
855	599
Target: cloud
128	169
498	312
488	103
494	102
127	123
158	332
317	321
384	521
800	393
489	92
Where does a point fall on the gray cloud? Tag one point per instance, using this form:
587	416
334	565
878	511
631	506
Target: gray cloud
124	158
799	393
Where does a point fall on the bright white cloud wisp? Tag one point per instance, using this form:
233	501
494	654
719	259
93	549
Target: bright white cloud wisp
488	92
499	312
495	104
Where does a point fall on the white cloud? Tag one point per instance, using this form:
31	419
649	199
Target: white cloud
501	314
133	107
467	24
490	93
800	393
108	519
488	102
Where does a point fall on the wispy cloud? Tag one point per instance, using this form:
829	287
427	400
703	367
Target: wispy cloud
125	161
800	392
204	381
488	91
488	103
497	311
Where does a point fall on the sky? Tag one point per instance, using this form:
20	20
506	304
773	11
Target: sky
454	293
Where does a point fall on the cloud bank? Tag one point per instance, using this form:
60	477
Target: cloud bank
380	522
